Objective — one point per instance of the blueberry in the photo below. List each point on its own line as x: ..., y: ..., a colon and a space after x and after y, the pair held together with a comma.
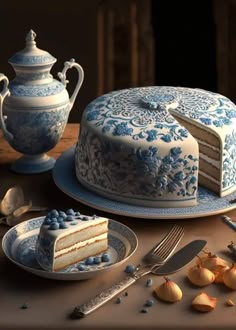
x: 77, y: 213
x: 54, y: 226
x: 60, y: 219
x: 149, y: 303
x: 63, y: 225
x: 70, y: 212
x: 130, y: 269
x: 53, y: 220
x: 47, y: 221
x: 94, y: 216
x: 81, y: 267
x: 149, y: 282
x: 105, y: 257
x: 69, y: 218
x: 118, y: 300
x: 89, y: 261
x: 54, y: 213
x: 62, y: 214
x: 85, y: 218
x: 97, y: 260
x: 144, y: 310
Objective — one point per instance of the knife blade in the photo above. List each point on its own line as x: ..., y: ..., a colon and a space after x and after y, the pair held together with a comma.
x: 180, y: 259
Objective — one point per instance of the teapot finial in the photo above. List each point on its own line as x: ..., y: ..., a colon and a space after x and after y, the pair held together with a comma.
x: 31, y: 35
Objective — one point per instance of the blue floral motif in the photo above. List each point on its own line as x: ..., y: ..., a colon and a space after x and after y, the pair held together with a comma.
x: 137, y: 172
x: 122, y: 129
x: 143, y: 110
x: 206, y: 121
x: 93, y: 115
x: 229, y: 161
x: 36, y: 91
x: 152, y: 135
x: 36, y: 132
x: 22, y: 59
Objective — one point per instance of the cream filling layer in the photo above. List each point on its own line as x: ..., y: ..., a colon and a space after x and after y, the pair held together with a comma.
x: 207, y: 145
x: 81, y: 244
x: 209, y: 160
x: 209, y: 177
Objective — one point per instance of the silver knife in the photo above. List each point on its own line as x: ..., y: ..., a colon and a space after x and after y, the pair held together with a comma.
x: 175, y: 263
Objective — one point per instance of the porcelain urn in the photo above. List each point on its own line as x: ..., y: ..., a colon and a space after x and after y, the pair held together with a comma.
x: 34, y: 107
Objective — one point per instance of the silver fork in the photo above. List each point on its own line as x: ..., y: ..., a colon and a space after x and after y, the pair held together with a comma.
x: 153, y: 260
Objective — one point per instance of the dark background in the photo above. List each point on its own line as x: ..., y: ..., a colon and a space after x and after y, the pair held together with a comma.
x: 185, y: 41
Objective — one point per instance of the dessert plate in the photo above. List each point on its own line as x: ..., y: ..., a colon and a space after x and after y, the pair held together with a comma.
x: 19, y: 246
x: 208, y: 202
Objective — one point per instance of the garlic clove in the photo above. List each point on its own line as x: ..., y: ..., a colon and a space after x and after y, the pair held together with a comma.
x: 169, y: 291
x: 200, y: 276
x: 229, y: 303
x: 204, y: 303
x: 211, y: 261
x: 229, y: 277
x: 218, y: 272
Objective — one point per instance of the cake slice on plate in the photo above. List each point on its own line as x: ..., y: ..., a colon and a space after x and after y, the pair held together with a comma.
x: 67, y: 238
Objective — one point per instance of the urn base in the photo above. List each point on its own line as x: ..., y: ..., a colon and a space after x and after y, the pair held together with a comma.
x: 33, y: 164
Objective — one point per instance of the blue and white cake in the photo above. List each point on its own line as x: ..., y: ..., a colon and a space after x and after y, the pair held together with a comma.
x: 67, y: 238
x: 152, y: 146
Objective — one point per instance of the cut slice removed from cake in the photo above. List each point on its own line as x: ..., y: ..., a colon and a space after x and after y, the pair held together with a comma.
x: 64, y: 241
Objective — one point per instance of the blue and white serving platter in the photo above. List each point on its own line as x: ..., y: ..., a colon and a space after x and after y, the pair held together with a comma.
x: 19, y: 246
x: 208, y: 202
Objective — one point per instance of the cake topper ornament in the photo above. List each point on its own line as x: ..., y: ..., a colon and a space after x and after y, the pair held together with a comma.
x: 34, y: 107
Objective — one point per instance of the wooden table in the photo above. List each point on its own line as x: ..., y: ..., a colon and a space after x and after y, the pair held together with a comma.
x: 51, y: 302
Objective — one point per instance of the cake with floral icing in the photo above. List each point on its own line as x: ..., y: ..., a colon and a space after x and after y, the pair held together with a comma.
x: 67, y: 238
x: 153, y: 146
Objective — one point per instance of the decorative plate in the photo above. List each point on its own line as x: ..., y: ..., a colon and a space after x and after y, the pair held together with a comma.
x: 208, y: 202
x: 19, y: 246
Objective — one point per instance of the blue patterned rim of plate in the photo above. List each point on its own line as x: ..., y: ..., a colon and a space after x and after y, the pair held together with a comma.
x: 19, y: 246
x: 64, y: 177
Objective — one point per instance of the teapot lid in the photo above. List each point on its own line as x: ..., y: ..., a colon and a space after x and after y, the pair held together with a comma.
x: 31, y: 55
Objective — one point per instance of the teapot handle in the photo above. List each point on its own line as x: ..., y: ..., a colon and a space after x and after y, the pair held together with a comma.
x: 4, y: 93
x: 62, y: 76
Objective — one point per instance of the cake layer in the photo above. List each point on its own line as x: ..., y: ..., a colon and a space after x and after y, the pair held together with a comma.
x: 79, y: 254
x: 80, y: 244
x: 82, y: 234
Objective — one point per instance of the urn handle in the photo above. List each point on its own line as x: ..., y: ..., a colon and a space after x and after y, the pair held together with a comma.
x: 4, y: 93
x: 62, y: 76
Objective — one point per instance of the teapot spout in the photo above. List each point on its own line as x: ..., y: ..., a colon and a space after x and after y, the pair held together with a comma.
x: 4, y: 93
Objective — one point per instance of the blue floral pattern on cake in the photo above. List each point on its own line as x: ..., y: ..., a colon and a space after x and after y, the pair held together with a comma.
x: 229, y: 161
x: 149, y: 174
x: 123, y: 112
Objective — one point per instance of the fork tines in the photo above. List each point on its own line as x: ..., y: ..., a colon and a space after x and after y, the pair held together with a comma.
x: 168, y: 244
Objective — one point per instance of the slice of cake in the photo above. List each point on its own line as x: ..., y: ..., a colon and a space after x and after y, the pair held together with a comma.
x: 67, y: 238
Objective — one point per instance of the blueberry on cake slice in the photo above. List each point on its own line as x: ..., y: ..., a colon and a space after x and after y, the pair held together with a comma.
x: 66, y: 238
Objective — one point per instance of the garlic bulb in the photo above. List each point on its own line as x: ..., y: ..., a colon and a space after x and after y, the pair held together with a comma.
x: 211, y: 261
x: 200, y: 275
x: 169, y: 291
x: 229, y: 277
x: 204, y: 303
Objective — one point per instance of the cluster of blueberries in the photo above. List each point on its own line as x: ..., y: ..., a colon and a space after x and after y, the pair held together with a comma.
x: 60, y: 219
x: 91, y: 261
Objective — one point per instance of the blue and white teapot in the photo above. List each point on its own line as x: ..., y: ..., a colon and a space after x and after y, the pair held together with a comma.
x: 34, y: 107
